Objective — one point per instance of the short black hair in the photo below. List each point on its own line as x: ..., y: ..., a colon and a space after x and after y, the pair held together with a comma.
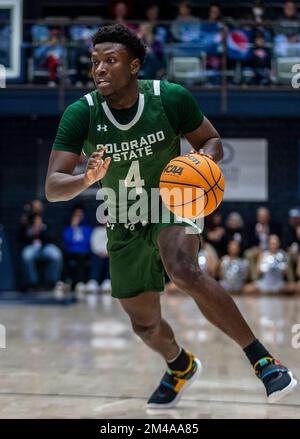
x: 118, y: 33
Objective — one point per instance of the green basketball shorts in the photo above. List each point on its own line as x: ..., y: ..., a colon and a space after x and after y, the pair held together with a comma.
x: 134, y: 260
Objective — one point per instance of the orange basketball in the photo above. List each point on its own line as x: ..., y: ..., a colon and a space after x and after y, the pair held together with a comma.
x: 192, y: 186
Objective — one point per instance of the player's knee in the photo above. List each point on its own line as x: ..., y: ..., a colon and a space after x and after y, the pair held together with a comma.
x: 183, y: 275
x: 146, y: 331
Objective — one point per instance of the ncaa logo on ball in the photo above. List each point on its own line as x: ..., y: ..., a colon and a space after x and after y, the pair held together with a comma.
x: 173, y: 169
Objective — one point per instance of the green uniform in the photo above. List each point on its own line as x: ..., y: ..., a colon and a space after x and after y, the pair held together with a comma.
x: 140, y: 141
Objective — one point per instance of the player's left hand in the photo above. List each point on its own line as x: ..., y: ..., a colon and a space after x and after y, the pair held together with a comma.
x: 96, y: 167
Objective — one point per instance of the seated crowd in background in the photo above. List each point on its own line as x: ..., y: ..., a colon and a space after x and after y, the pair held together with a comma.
x: 77, y: 260
x: 251, y: 43
x: 260, y: 258
x: 38, y: 246
x: 248, y: 259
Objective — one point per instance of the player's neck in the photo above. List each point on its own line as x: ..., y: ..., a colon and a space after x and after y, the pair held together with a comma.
x: 124, y: 98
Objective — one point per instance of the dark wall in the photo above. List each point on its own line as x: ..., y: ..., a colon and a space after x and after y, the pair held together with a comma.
x: 25, y: 146
x: 283, y: 137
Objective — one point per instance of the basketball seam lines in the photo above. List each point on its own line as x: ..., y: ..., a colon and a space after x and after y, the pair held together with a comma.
x: 213, y: 174
x: 183, y: 184
x: 180, y: 161
x: 193, y: 185
x: 216, y: 181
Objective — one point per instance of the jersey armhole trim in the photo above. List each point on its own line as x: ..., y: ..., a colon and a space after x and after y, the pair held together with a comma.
x: 156, y: 87
x: 89, y: 99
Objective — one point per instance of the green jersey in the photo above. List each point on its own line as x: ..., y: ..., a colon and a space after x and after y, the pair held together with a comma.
x: 140, y: 146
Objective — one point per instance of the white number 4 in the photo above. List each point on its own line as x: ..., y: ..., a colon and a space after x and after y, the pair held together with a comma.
x: 133, y: 178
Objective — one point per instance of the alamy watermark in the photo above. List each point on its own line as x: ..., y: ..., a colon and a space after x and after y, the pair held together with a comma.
x: 131, y: 207
x: 296, y: 77
x: 2, y: 336
x: 296, y: 338
x: 2, y: 76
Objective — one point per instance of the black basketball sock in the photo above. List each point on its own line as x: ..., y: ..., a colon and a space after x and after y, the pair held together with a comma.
x: 181, y: 362
x: 255, y: 351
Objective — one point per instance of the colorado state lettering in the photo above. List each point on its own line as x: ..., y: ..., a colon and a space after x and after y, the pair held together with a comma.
x: 134, y: 149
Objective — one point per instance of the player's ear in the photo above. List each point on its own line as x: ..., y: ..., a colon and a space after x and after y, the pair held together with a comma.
x: 135, y: 66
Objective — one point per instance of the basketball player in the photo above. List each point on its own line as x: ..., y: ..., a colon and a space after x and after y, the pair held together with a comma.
x: 141, y: 123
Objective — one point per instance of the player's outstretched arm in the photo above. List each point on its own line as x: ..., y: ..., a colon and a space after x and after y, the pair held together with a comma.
x: 62, y: 185
x: 206, y: 139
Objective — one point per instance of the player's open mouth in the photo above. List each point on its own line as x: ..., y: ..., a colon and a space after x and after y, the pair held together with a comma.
x: 102, y: 82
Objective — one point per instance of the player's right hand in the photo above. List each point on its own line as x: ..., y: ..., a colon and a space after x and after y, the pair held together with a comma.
x: 96, y: 167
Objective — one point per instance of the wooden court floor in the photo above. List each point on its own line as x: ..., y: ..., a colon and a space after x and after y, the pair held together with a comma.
x: 83, y: 361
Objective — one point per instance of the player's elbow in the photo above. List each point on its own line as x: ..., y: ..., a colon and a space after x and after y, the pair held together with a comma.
x: 221, y: 152
x: 49, y: 194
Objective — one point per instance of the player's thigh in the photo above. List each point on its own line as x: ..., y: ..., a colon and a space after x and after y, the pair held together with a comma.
x: 178, y: 249
x: 144, y: 309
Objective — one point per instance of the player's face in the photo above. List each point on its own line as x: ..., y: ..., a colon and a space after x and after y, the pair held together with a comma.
x: 113, y: 68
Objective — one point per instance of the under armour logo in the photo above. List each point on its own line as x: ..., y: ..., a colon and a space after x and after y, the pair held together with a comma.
x: 110, y: 226
x: 101, y: 127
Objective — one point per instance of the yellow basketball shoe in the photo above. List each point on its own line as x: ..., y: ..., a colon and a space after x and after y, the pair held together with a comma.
x: 173, y: 384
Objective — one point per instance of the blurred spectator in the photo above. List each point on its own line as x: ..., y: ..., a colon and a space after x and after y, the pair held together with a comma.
x: 160, y: 31
x: 50, y: 54
x: 120, y: 13
x: 261, y: 15
x: 290, y: 13
x: 291, y: 238
x: 38, y: 246
x: 287, y: 39
x: 34, y: 207
x: 214, y: 233
x: 154, y: 36
x: 5, y: 42
x: 291, y: 234
x: 234, y: 270
x: 272, y: 267
x: 186, y: 27
x: 76, y: 243
x: 258, y: 12
x: 208, y: 259
x: 30, y: 209
x: 297, y: 284
x: 99, y: 273
x: 261, y: 61
x: 155, y: 63
x: 234, y: 227
x: 215, y: 13
x: 79, y: 53
x: 152, y: 13
x: 259, y: 232
x: 214, y: 33
x: 258, y: 236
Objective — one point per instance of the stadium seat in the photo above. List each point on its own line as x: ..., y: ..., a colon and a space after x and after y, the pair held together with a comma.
x: 187, y: 68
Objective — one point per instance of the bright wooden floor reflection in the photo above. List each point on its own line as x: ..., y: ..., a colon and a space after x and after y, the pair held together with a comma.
x: 83, y: 361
